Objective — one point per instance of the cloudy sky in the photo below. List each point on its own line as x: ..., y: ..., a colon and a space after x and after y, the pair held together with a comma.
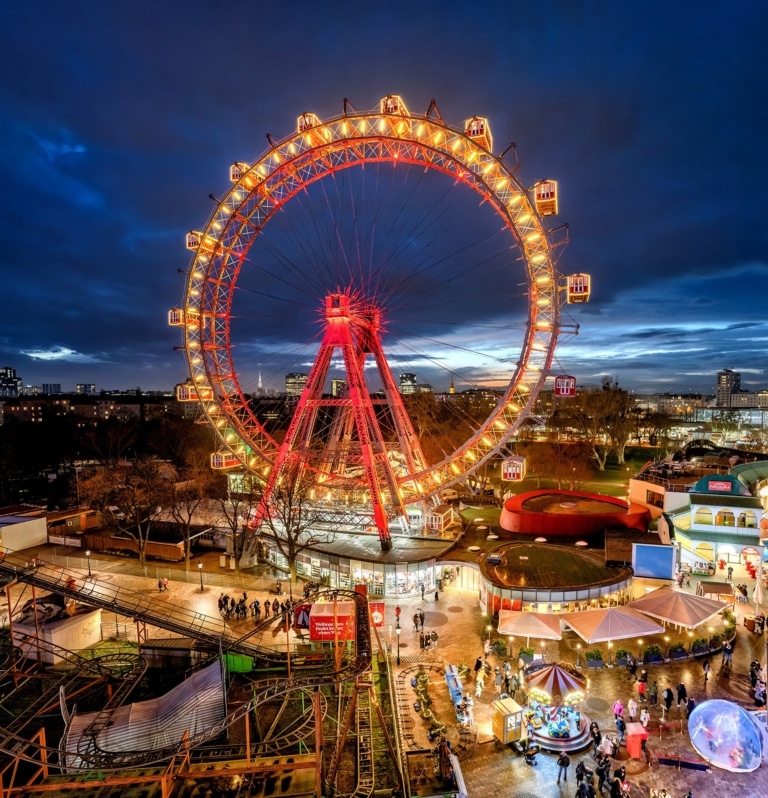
x: 117, y: 120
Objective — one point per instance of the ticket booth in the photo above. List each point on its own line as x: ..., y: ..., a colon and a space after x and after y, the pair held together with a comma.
x: 637, y: 734
x: 507, y: 720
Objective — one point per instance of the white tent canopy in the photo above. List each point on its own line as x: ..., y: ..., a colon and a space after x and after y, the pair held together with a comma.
x: 611, y: 623
x: 530, y: 624
x: 678, y: 607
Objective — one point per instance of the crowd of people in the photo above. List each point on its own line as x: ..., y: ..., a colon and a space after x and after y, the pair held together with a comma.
x: 238, y: 609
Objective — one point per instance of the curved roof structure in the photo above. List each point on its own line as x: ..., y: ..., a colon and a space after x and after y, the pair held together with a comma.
x: 192, y: 706
x: 611, y: 623
x: 678, y: 607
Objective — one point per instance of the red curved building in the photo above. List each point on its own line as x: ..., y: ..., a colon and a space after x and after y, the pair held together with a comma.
x: 569, y: 513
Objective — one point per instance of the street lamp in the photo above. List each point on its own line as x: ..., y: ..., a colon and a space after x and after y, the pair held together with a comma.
x: 488, y: 629
x: 511, y: 646
x: 578, y: 655
x: 610, y: 646
x: 666, y: 641
x: 88, y: 560
x: 397, y: 632
x: 640, y: 649
x: 200, y: 569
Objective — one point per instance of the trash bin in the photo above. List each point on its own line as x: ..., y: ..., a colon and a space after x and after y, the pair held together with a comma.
x: 222, y: 561
x: 636, y: 734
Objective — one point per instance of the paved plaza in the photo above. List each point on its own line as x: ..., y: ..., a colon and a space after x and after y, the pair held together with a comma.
x: 492, y: 770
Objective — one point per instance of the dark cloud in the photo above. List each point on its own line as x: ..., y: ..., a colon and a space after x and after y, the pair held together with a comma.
x: 120, y: 118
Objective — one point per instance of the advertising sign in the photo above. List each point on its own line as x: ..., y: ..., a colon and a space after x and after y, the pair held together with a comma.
x: 321, y: 621
x: 377, y: 612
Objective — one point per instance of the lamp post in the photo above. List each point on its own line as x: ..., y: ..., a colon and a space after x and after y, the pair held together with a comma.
x: 711, y: 632
x: 488, y: 629
x: 666, y: 645
x: 578, y: 655
x: 640, y: 650
x: 200, y: 569
x: 397, y: 632
x: 610, y: 646
x: 511, y: 646
x: 88, y: 560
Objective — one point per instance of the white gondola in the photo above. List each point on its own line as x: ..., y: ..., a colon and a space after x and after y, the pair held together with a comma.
x: 579, y: 286
x: 176, y: 317
x: 513, y: 469
x: 237, y: 170
x: 197, y: 241
x: 221, y: 460
x: 545, y: 197
x: 479, y: 130
x: 307, y: 122
x: 393, y: 104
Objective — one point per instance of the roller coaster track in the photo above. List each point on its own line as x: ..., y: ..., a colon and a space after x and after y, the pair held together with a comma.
x: 174, y: 618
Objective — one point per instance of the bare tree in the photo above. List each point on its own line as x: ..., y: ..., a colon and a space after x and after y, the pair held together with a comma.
x: 564, y: 462
x: 188, y: 494
x: 294, y: 520
x: 128, y: 497
x: 236, y: 501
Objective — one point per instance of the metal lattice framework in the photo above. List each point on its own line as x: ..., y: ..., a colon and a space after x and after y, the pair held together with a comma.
x: 318, y: 150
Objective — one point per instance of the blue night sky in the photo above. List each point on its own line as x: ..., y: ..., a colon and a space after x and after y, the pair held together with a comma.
x: 119, y: 118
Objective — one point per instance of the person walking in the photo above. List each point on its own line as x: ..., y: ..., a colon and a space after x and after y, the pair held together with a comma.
x: 641, y: 691
x: 653, y: 694
x: 479, y: 684
x: 433, y: 637
x: 421, y: 641
x: 437, y: 595
x: 469, y: 703
x: 478, y: 667
x: 421, y: 618
x: 706, y: 667
x: 563, y: 762
x: 621, y: 728
x: 422, y: 591
x: 668, y: 697
x: 645, y: 716
x: 603, y: 772
x: 689, y: 705
x: 498, y: 680
x: 618, y: 709
x: 415, y: 621
x: 632, y: 709
x: 729, y: 578
x: 682, y: 695
x: 397, y: 613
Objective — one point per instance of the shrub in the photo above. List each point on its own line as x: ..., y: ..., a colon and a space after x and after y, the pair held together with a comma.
x: 717, y: 640
x: 700, y: 642
x: 525, y: 651
x: 653, y: 650
x: 499, y: 648
x: 677, y: 648
x: 594, y: 654
x: 622, y: 653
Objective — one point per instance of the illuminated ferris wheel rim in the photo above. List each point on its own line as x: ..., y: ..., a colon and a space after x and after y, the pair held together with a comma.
x: 315, y: 151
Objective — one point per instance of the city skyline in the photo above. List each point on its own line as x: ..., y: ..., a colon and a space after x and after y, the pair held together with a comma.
x: 120, y: 120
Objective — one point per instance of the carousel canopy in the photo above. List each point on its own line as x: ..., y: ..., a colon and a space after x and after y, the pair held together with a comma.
x: 611, y: 623
x: 678, y: 607
x: 530, y: 624
x: 726, y: 735
x: 555, y: 684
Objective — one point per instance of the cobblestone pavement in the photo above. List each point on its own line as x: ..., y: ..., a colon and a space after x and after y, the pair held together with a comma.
x: 492, y: 770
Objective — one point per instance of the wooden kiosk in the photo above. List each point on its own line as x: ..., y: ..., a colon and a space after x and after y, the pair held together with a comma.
x: 507, y: 720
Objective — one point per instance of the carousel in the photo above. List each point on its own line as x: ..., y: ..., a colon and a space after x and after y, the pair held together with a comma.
x: 553, y: 714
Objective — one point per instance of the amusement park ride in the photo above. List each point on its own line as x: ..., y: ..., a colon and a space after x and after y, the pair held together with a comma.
x: 341, y: 445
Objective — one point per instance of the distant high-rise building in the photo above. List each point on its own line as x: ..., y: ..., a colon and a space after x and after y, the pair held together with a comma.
x: 10, y: 384
x: 407, y: 383
x: 728, y: 382
x: 51, y: 388
x: 294, y: 383
x: 85, y: 389
x: 338, y: 387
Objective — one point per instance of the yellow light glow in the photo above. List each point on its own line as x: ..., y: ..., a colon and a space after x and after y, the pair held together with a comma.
x: 543, y: 325
x: 292, y: 148
x: 500, y: 424
x: 523, y: 218
x: 471, y: 455
x: 419, y: 130
x: 455, y: 468
x: 262, y: 169
x: 456, y: 144
x: 501, y: 183
x: 344, y: 128
x: 533, y: 237
x: 512, y: 407
x: 362, y: 126
x: 438, y: 137
x: 382, y: 126
x: 276, y: 157
x: 543, y: 302
x: 472, y: 156
x: 538, y: 258
x: 514, y: 199
x: 401, y: 128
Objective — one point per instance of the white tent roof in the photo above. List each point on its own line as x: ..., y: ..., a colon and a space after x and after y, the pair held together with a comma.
x: 530, y: 624
x: 678, y: 607
x: 611, y: 623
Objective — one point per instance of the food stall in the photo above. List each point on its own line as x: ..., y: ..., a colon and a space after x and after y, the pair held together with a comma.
x: 507, y: 722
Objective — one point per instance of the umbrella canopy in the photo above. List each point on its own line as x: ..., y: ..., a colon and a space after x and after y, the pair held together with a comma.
x: 611, y: 623
x: 553, y: 684
x: 726, y: 735
x: 530, y: 624
x: 678, y: 607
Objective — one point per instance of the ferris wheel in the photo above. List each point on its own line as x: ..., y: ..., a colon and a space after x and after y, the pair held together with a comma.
x: 313, y: 258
